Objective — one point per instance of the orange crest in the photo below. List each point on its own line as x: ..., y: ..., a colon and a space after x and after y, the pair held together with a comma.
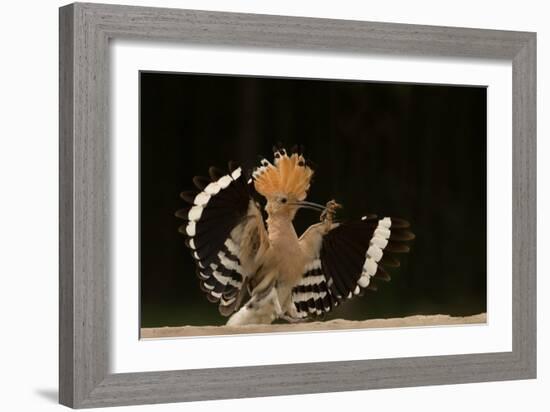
x: 290, y: 176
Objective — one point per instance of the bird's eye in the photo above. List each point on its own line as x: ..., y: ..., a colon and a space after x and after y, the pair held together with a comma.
x: 283, y: 200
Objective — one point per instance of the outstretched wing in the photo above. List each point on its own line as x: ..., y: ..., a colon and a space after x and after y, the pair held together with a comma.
x: 345, y: 260
x: 225, y: 232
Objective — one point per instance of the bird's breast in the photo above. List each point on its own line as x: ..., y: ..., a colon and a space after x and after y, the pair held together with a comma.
x: 290, y: 263
x: 286, y: 254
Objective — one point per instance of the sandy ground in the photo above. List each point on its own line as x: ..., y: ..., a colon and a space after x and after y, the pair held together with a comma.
x: 336, y: 324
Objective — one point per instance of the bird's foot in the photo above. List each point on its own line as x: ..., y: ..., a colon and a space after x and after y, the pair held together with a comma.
x: 330, y: 210
x: 293, y: 319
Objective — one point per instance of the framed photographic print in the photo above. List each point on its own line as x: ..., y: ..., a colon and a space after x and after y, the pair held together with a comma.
x: 258, y: 205
x: 205, y: 118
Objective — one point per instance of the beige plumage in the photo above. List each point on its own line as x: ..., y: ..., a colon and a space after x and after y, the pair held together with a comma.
x: 284, y: 276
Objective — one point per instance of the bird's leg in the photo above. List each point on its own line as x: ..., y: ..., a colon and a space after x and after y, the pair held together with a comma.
x: 330, y: 211
x: 276, y: 306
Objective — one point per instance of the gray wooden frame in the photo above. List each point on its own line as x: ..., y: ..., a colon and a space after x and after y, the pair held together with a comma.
x: 85, y: 31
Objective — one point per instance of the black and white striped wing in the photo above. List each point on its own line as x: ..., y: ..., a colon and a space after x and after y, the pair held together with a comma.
x: 224, y: 231
x: 348, y: 258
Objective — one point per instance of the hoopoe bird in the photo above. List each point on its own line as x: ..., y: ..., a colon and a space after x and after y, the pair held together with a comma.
x: 279, y: 275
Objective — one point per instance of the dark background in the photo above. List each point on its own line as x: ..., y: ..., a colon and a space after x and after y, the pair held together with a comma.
x: 411, y: 151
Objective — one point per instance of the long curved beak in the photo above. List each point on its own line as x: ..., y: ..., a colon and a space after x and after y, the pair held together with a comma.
x: 308, y: 205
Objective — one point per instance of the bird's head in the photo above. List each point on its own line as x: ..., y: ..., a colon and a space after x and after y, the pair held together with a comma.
x: 284, y: 183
